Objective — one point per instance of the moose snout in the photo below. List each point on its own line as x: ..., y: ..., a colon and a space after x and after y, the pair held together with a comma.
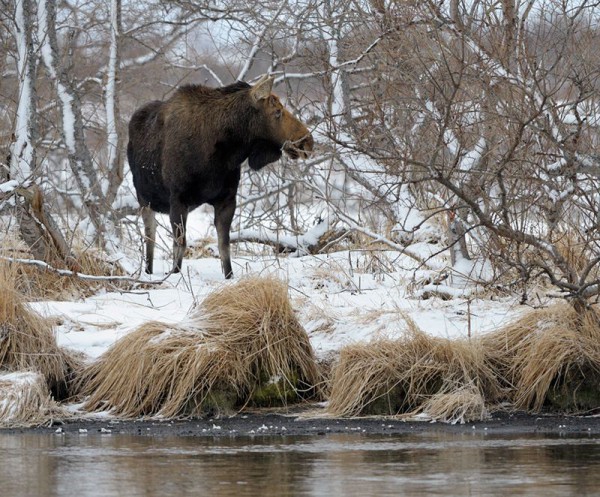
x: 300, y: 148
x: 307, y: 144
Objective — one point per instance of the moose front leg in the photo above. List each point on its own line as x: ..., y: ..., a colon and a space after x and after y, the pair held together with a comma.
x: 224, y: 211
x: 178, y: 215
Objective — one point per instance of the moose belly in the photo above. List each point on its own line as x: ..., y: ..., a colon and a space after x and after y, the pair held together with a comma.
x: 152, y: 193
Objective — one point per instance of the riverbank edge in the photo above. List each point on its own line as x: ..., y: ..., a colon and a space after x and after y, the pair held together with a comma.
x: 307, y: 423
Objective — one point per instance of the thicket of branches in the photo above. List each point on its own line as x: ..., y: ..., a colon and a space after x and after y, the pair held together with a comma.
x: 474, y: 125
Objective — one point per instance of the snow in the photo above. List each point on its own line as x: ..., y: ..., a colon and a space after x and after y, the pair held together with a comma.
x: 8, y: 186
x: 20, y: 378
x: 340, y: 298
x: 13, y: 386
x: 473, y: 157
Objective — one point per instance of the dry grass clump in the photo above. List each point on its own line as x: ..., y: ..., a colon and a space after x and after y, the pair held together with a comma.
x: 154, y: 369
x: 255, y: 319
x: 550, y: 356
x: 27, y: 341
x: 403, y: 376
x: 463, y: 404
x: 26, y: 401
x: 39, y: 283
x: 43, y: 284
x: 242, y: 345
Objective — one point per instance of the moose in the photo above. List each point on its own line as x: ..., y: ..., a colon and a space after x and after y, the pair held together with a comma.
x: 188, y: 151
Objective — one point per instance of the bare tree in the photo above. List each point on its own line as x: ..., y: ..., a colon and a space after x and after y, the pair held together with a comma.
x: 497, y: 134
x: 471, y: 125
x: 83, y: 85
x: 80, y: 159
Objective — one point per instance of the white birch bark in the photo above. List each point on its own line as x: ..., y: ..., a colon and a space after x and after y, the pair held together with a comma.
x: 22, y: 151
x: 36, y: 226
x: 332, y: 33
x: 114, y: 157
x: 80, y: 159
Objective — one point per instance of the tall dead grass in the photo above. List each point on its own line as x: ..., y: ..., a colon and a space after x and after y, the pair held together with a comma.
x: 27, y: 341
x: 403, y: 376
x: 25, y: 400
x: 548, y: 358
x: 39, y: 283
x: 154, y: 369
x: 461, y: 404
x: 546, y: 352
x: 240, y: 339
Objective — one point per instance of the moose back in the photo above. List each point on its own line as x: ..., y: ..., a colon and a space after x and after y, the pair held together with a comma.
x: 188, y: 150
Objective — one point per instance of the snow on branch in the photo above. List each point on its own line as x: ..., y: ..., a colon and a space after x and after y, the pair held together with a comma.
x: 212, y: 73
x: 9, y: 186
x: 376, y: 237
x: 307, y: 243
x: 87, y: 277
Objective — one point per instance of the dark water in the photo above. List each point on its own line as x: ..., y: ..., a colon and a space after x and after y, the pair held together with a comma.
x: 344, y: 465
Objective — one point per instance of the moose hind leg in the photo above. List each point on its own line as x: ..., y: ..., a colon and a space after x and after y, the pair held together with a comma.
x: 224, y: 211
x: 149, y: 219
x: 178, y: 216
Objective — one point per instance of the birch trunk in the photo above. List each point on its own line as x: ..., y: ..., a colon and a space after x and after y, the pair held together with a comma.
x: 36, y: 226
x: 114, y: 142
x: 339, y: 107
x: 22, y: 151
x: 80, y: 159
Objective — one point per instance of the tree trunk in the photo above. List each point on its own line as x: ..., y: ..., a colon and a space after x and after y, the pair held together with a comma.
x: 114, y: 160
x: 22, y: 151
x: 40, y: 232
x: 457, y: 241
x: 80, y: 159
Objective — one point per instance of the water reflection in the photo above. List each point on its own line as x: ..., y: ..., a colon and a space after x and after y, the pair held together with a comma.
x: 349, y: 465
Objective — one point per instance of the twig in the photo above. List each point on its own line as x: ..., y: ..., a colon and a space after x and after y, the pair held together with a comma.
x: 87, y: 277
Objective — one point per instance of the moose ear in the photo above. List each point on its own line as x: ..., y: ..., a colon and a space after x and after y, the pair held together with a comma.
x: 262, y: 89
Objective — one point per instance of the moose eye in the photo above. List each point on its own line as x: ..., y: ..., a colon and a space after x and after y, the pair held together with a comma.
x: 278, y: 114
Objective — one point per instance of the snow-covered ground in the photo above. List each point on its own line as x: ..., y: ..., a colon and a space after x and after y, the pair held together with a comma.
x: 340, y: 298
